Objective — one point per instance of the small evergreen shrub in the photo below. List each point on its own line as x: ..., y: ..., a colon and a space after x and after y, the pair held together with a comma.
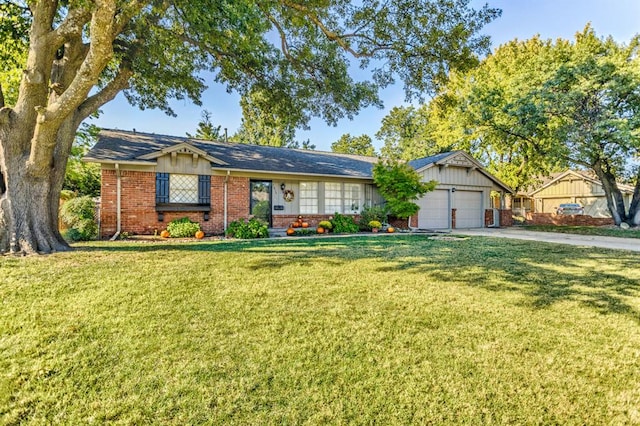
x: 377, y: 213
x: 254, y: 228
x: 78, y: 215
x: 183, y: 228
x: 344, y: 224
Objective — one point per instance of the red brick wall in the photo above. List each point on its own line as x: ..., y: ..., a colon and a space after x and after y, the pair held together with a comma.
x: 238, y: 199
x: 506, y: 218
x: 398, y: 223
x: 138, y: 213
x: 488, y: 217
x: 108, y: 203
x: 570, y: 220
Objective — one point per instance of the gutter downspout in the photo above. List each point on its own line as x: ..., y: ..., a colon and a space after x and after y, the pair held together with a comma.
x: 226, y: 193
x: 118, y: 203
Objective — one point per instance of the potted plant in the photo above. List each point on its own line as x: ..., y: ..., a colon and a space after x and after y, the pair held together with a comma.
x: 374, y: 225
x: 325, y: 225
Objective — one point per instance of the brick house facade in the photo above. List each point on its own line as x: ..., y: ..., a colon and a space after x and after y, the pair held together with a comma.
x: 150, y: 180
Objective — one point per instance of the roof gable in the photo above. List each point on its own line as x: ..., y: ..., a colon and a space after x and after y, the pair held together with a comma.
x: 577, y: 175
x: 456, y: 159
x: 182, y: 148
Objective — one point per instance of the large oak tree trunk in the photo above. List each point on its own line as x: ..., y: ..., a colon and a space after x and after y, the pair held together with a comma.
x: 28, y: 223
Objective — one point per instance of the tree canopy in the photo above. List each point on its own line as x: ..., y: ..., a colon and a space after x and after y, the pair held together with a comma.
x: 407, y: 134
x: 358, y: 145
x: 537, y: 106
x: 206, y: 129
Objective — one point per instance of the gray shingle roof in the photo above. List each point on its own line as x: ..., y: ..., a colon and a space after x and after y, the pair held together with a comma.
x: 425, y: 161
x: 125, y: 146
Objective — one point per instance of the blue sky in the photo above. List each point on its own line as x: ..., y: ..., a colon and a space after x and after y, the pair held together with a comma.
x: 520, y: 19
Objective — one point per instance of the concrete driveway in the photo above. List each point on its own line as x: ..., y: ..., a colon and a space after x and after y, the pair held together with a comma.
x: 632, y: 244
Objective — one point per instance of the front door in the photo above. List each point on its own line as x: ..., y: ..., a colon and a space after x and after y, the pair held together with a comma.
x: 261, y: 200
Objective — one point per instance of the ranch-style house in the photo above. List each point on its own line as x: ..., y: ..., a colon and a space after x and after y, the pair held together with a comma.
x: 149, y: 180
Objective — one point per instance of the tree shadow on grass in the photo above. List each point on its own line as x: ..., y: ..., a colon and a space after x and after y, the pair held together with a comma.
x: 545, y: 273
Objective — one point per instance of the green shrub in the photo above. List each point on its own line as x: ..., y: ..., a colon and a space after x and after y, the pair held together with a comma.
x: 254, y: 228
x: 325, y: 224
x: 78, y: 215
x: 344, y: 224
x: 375, y: 224
x: 378, y: 213
x: 183, y: 228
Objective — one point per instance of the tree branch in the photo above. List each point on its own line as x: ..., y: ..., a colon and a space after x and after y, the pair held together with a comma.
x: 33, y: 90
x: 1, y: 97
x: 92, y: 103
x: 331, y: 35
x: 51, y: 117
x: 72, y: 25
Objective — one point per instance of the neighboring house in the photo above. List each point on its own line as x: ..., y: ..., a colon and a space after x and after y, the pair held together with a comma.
x: 570, y: 186
x: 149, y: 180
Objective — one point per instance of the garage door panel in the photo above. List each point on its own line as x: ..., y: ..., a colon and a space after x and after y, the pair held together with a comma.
x: 469, y: 209
x: 434, y: 210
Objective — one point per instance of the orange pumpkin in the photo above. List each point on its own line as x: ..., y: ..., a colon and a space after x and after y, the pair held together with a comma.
x: 291, y: 231
x: 199, y: 235
x: 320, y: 230
x: 305, y: 225
x: 165, y: 234
x: 295, y: 224
x: 391, y: 229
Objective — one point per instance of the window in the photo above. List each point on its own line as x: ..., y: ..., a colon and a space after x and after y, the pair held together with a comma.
x: 183, y: 189
x: 332, y: 197
x: 342, y: 197
x: 308, y: 197
x: 351, y: 198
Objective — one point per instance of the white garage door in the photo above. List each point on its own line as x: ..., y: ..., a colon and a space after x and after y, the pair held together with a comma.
x: 434, y: 210
x: 468, y: 205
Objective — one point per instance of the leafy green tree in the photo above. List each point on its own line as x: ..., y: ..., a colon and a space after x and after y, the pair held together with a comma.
x: 14, y: 27
x: 302, y: 145
x: 358, y: 145
x: 595, y: 98
x: 406, y: 134
x: 400, y: 185
x: 488, y: 112
x: 296, y: 54
x: 266, y: 124
x: 206, y: 130
x: 537, y: 106
x: 80, y: 177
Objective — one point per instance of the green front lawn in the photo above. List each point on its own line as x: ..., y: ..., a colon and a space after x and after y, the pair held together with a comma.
x: 603, y: 231
x: 394, y: 330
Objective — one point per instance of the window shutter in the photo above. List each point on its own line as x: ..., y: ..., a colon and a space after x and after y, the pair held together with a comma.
x: 162, y: 188
x: 204, y: 189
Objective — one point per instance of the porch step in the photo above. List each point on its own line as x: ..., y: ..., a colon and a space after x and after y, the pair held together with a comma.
x: 277, y: 232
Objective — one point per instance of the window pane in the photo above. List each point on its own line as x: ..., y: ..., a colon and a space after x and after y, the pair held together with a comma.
x: 183, y: 188
x: 309, y: 197
x: 332, y: 197
x: 352, y: 197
